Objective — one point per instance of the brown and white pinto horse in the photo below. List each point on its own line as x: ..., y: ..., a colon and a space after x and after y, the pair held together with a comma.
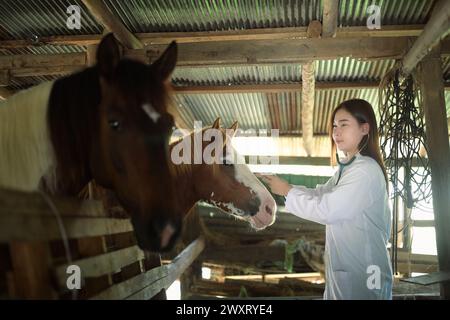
x: 227, y: 184
x: 108, y: 122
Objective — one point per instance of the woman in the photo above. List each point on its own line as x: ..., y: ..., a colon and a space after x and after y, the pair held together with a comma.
x: 353, y: 205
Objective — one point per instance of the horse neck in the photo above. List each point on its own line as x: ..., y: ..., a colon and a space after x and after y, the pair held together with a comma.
x: 73, y: 112
x: 185, y: 182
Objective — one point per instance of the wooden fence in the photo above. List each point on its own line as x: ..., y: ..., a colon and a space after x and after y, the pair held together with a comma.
x: 41, y: 237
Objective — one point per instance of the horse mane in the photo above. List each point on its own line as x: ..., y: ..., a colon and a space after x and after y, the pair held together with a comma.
x: 26, y: 151
x: 72, y: 112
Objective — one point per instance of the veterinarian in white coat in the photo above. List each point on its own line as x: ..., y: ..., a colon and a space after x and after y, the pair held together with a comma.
x: 353, y: 205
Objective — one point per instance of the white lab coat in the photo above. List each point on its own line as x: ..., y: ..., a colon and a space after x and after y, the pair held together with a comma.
x: 358, y: 222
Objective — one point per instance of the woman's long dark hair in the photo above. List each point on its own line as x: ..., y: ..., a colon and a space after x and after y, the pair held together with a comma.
x: 362, y: 111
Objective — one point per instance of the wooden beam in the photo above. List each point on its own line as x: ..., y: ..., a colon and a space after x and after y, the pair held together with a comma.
x: 308, y: 92
x: 437, y: 27
x: 229, y: 35
x: 104, y: 16
x: 432, y: 88
x: 102, y: 264
x: 42, y: 60
x: 223, y: 53
x: 283, y: 51
x: 330, y: 18
x: 206, y: 54
x: 146, y: 285
x: 274, y: 88
x: 17, y: 203
x: 5, y: 78
x: 42, y: 64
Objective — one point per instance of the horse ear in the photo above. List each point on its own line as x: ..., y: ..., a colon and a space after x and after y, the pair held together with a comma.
x: 234, y: 127
x: 109, y: 53
x: 216, y: 124
x: 166, y: 63
x: 232, y: 130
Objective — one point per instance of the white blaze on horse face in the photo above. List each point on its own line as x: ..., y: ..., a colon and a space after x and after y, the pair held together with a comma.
x: 268, y: 208
x: 151, y: 112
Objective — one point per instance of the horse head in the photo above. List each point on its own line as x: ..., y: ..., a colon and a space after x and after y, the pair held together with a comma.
x: 130, y: 151
x: 228, y: 182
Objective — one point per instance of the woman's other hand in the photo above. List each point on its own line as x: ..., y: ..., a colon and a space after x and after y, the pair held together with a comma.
x: 276, y: 184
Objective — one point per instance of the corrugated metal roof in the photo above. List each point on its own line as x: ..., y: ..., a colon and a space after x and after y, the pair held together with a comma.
x: 213, y: 15
x: 209, y: 15
x: 24, y: 19
x: 264, y: 111
x: 342, y: 69
x: 354, y: 12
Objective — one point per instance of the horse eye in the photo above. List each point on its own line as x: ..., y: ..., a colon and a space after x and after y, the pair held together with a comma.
x: 115, y: 125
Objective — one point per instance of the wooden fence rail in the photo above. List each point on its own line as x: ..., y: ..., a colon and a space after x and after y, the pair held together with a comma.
x: 34, y: 260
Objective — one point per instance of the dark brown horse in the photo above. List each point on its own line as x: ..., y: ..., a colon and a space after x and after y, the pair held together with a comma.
x: 108, y: 122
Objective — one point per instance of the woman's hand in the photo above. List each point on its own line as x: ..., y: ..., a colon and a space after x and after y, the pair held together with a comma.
x: 276, y: 184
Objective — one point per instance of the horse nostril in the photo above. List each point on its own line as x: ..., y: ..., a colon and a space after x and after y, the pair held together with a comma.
x: 268, y: 210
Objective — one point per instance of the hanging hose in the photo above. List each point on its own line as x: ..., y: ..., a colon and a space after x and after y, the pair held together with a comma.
x: 402, y: 133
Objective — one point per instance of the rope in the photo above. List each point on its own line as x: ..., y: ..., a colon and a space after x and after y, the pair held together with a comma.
x: 62, y: 231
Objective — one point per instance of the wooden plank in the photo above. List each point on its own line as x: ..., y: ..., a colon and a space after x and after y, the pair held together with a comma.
x: 44, y: 71
x: 228, y: 35
x: 123, y: 290
x: 229, y: 52
x: 17, y: 62
x: 151, y: 261
x: 33, y: 204
x: 274, y: 88
x: 283, y: 51
x: 432, y: 88
x: 5, y: 78
x: 436, y: 28
x: 427, y: 279
x: 174, y: 270
x: 105, y: 17
x: 243, y: 254
x: 46, y: 228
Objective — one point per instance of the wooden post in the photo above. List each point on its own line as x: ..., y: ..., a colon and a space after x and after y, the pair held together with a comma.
x: 104, y: 16
x: 330, y: 18
x: 31, y: 270
x: 191, y: 231
x: 432, y: 88
x: 308, y: 92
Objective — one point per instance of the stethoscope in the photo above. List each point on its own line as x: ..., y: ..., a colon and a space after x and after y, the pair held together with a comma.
x: 343, y: 165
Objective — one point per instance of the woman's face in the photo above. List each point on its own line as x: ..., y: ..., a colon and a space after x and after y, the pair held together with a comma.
x: 347, y: 131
